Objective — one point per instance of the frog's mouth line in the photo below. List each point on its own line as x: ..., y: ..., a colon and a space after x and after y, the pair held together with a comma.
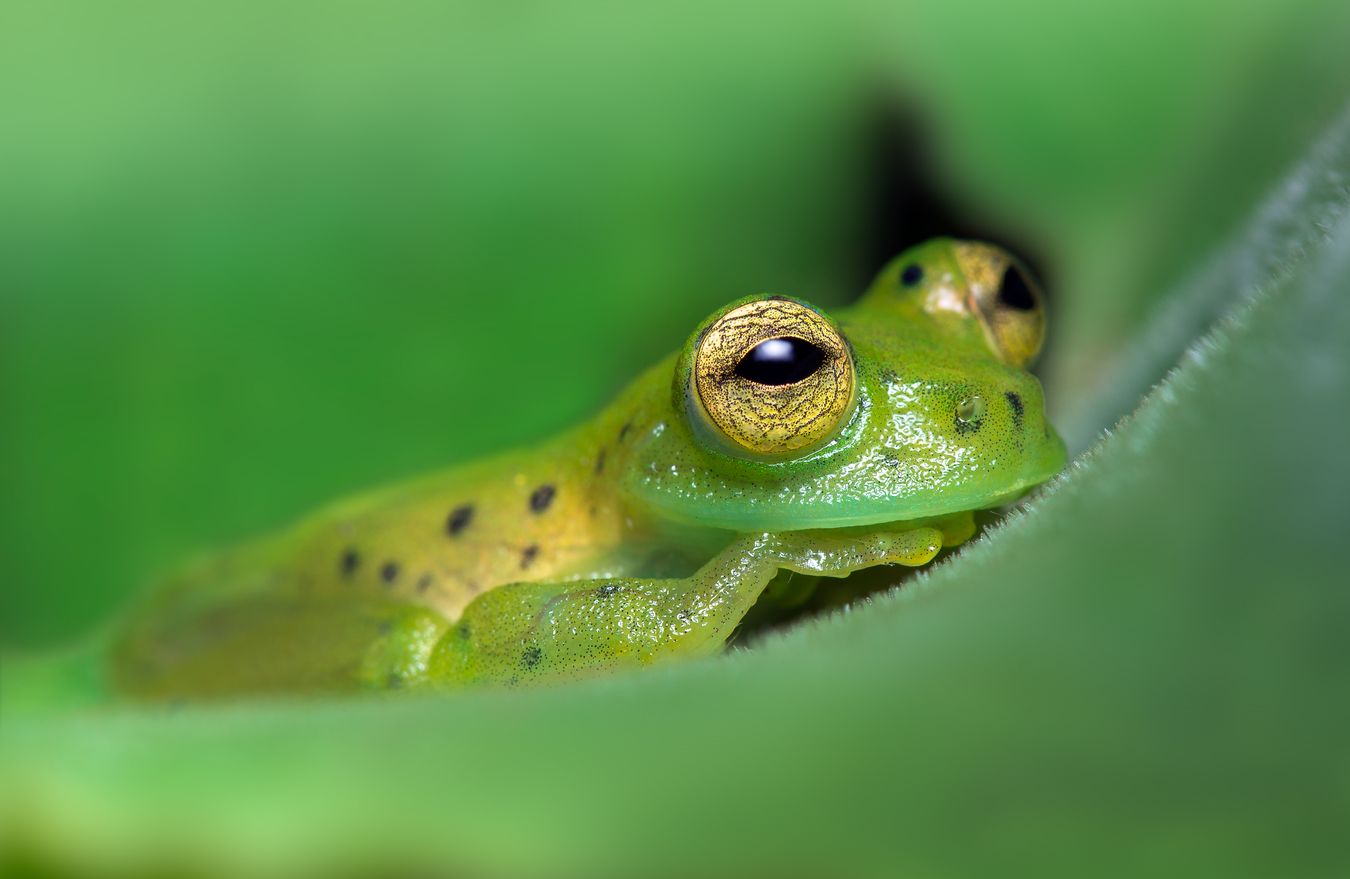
x: 1038, y: 471
x: 938, y: 507
x: 745, y: 506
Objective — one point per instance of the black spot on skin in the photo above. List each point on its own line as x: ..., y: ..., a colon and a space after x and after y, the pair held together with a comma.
x: 623, y: 431
x: 464, y: 632
x: 349, y: 563
x: 541, y: 498
x: 1015, y: 401
x: 965, y: 427
x: 459, y: 519
x: 530, y: 658
x: 389, y: 572
x: 912, y: 275
x: 600, y: 463
x: 1015, y: 292
x: 424, y: 582
x: 607, y: 591
x: 528, y: 555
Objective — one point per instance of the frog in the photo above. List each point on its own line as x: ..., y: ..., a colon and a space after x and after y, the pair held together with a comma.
x: 780, y: 445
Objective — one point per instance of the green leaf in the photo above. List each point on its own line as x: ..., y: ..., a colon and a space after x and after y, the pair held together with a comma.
x: 1141, y: 673
x: 1293, y: 222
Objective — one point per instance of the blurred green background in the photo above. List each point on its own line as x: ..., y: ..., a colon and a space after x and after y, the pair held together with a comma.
x: 255, y: 256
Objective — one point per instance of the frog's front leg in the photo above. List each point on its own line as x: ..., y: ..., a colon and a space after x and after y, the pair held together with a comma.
x: 534, y: 632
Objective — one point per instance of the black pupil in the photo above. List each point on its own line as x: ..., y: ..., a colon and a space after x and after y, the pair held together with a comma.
x: 1015, y: 292
x: 780, y: 361
x: 911, y: 275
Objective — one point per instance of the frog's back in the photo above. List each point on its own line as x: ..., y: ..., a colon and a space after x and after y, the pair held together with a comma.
x: 296, y: 611
x: 440, y: 541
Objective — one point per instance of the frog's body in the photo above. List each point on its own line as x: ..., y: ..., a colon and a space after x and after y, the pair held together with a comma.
x: 700, y: 481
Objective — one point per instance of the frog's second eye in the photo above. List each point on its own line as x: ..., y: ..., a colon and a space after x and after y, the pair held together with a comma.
x: 1013, y: 316
x: 773, y: 377
x: 1006, y: 300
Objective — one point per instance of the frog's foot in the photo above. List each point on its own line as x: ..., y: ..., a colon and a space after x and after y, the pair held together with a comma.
x: 535, y: 632
x: 399, y: 655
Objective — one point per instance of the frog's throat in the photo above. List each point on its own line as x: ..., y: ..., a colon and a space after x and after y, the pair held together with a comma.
x: 744, y: 514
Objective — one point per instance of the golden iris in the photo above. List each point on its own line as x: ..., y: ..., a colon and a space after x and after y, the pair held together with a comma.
x: 774, y: 376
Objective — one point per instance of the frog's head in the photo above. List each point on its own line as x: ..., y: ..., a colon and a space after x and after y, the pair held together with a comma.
x: 915, y: 402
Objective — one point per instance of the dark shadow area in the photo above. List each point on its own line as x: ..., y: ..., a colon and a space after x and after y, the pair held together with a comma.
x: 903, y: 202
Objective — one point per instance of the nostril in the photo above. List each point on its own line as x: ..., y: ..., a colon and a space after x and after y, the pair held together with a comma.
x: 1018, y: 409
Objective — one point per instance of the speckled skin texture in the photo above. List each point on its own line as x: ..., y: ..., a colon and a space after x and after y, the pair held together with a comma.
x: 647, y: 533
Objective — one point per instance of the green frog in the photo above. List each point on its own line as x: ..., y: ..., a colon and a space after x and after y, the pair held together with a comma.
x: 780, y: 444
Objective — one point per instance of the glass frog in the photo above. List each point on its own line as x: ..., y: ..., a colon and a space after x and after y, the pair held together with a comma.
x: 779, y: 439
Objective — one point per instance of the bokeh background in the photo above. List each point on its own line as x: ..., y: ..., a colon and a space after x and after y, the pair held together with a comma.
x: 255, y: 255
x: 259, y: 255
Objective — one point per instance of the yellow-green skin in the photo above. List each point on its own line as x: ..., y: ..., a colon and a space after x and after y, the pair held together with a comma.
x: 626, y: 541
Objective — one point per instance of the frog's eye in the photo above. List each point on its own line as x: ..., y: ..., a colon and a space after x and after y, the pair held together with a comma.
x: 1006, y: 300
x: 773, y: 376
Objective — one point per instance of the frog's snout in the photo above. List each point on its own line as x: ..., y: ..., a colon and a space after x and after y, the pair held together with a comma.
x: 1041, y: 449
x: 1009, y: 416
